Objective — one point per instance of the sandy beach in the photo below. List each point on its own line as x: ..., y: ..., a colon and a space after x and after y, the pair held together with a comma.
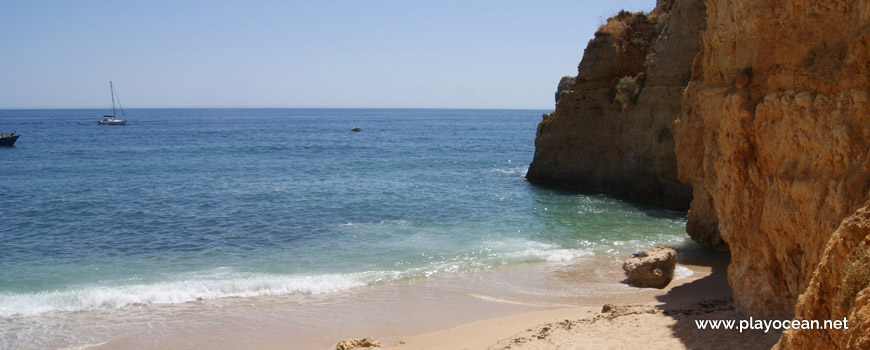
x: 469, y: 311
x: 641, y: 326
x: 640, y: 174
x: 663, y: 319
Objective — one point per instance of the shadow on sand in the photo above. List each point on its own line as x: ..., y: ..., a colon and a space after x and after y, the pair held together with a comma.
x: 683, y: 305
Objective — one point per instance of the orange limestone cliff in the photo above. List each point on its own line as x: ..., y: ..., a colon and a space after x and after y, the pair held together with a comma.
x: 612, y: 130
x: 774, y: 136
x: 838, y: 290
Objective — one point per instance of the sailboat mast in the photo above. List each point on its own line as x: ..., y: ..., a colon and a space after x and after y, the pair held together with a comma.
x: 112, y: 88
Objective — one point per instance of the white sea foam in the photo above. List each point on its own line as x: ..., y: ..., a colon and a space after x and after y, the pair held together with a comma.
x: 681, y: 272
x: 518, y: 170
x: 510, y: 171
x: 530, y: 251
x: 223, y: 282
x: 84, y: 347
x: 513, y: 302
x: 550, y: 255
x: 109, y: 297
x: 387, y: 222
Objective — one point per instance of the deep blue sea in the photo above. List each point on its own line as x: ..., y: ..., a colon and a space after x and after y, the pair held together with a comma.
x: 182, y: 205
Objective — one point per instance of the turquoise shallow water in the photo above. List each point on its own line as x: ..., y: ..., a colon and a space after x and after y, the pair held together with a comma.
x: 188, y: 204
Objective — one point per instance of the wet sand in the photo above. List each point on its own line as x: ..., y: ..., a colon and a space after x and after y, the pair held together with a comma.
x: 667, y: 321
x: 504, y: 307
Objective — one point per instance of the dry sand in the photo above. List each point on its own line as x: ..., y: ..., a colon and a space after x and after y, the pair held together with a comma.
x: 667, y: 322
x: 642, y: 327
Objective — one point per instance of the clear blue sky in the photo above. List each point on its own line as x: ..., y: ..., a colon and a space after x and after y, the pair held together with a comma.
x: 363, y: 53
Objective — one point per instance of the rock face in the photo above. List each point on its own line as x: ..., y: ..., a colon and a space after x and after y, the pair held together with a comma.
x: 612, y: 132
x: 772, y: 132
x: 838, y: 289
x: 654, y: 268
x: 564, y: 85
x: 774, y: 138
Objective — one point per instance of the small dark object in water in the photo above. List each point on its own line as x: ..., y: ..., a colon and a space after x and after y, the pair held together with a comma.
x: 9, y: 140
x: 355, y: 128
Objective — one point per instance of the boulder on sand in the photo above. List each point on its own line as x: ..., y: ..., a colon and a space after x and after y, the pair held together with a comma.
x: 653, y: 267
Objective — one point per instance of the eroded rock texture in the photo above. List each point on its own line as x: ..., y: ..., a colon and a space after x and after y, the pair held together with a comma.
x: 612, y: 131
x: 564, y: 86
x: 774, y: 139
x: 838, y: 290
x: 652, y: 268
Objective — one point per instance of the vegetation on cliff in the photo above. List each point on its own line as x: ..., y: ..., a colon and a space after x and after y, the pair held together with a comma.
x: 612, y: 130
x: 764, y: 108
x: 774, y: 134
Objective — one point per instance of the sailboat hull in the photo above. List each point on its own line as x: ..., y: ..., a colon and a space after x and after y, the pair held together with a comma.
x: 112, y: 122
x: 112, y: 119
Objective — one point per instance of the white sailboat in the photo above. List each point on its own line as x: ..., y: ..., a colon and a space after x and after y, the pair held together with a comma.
x: 111, y: 119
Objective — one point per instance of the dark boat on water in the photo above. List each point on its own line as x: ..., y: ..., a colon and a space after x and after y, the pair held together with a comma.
x: 8, y: 140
